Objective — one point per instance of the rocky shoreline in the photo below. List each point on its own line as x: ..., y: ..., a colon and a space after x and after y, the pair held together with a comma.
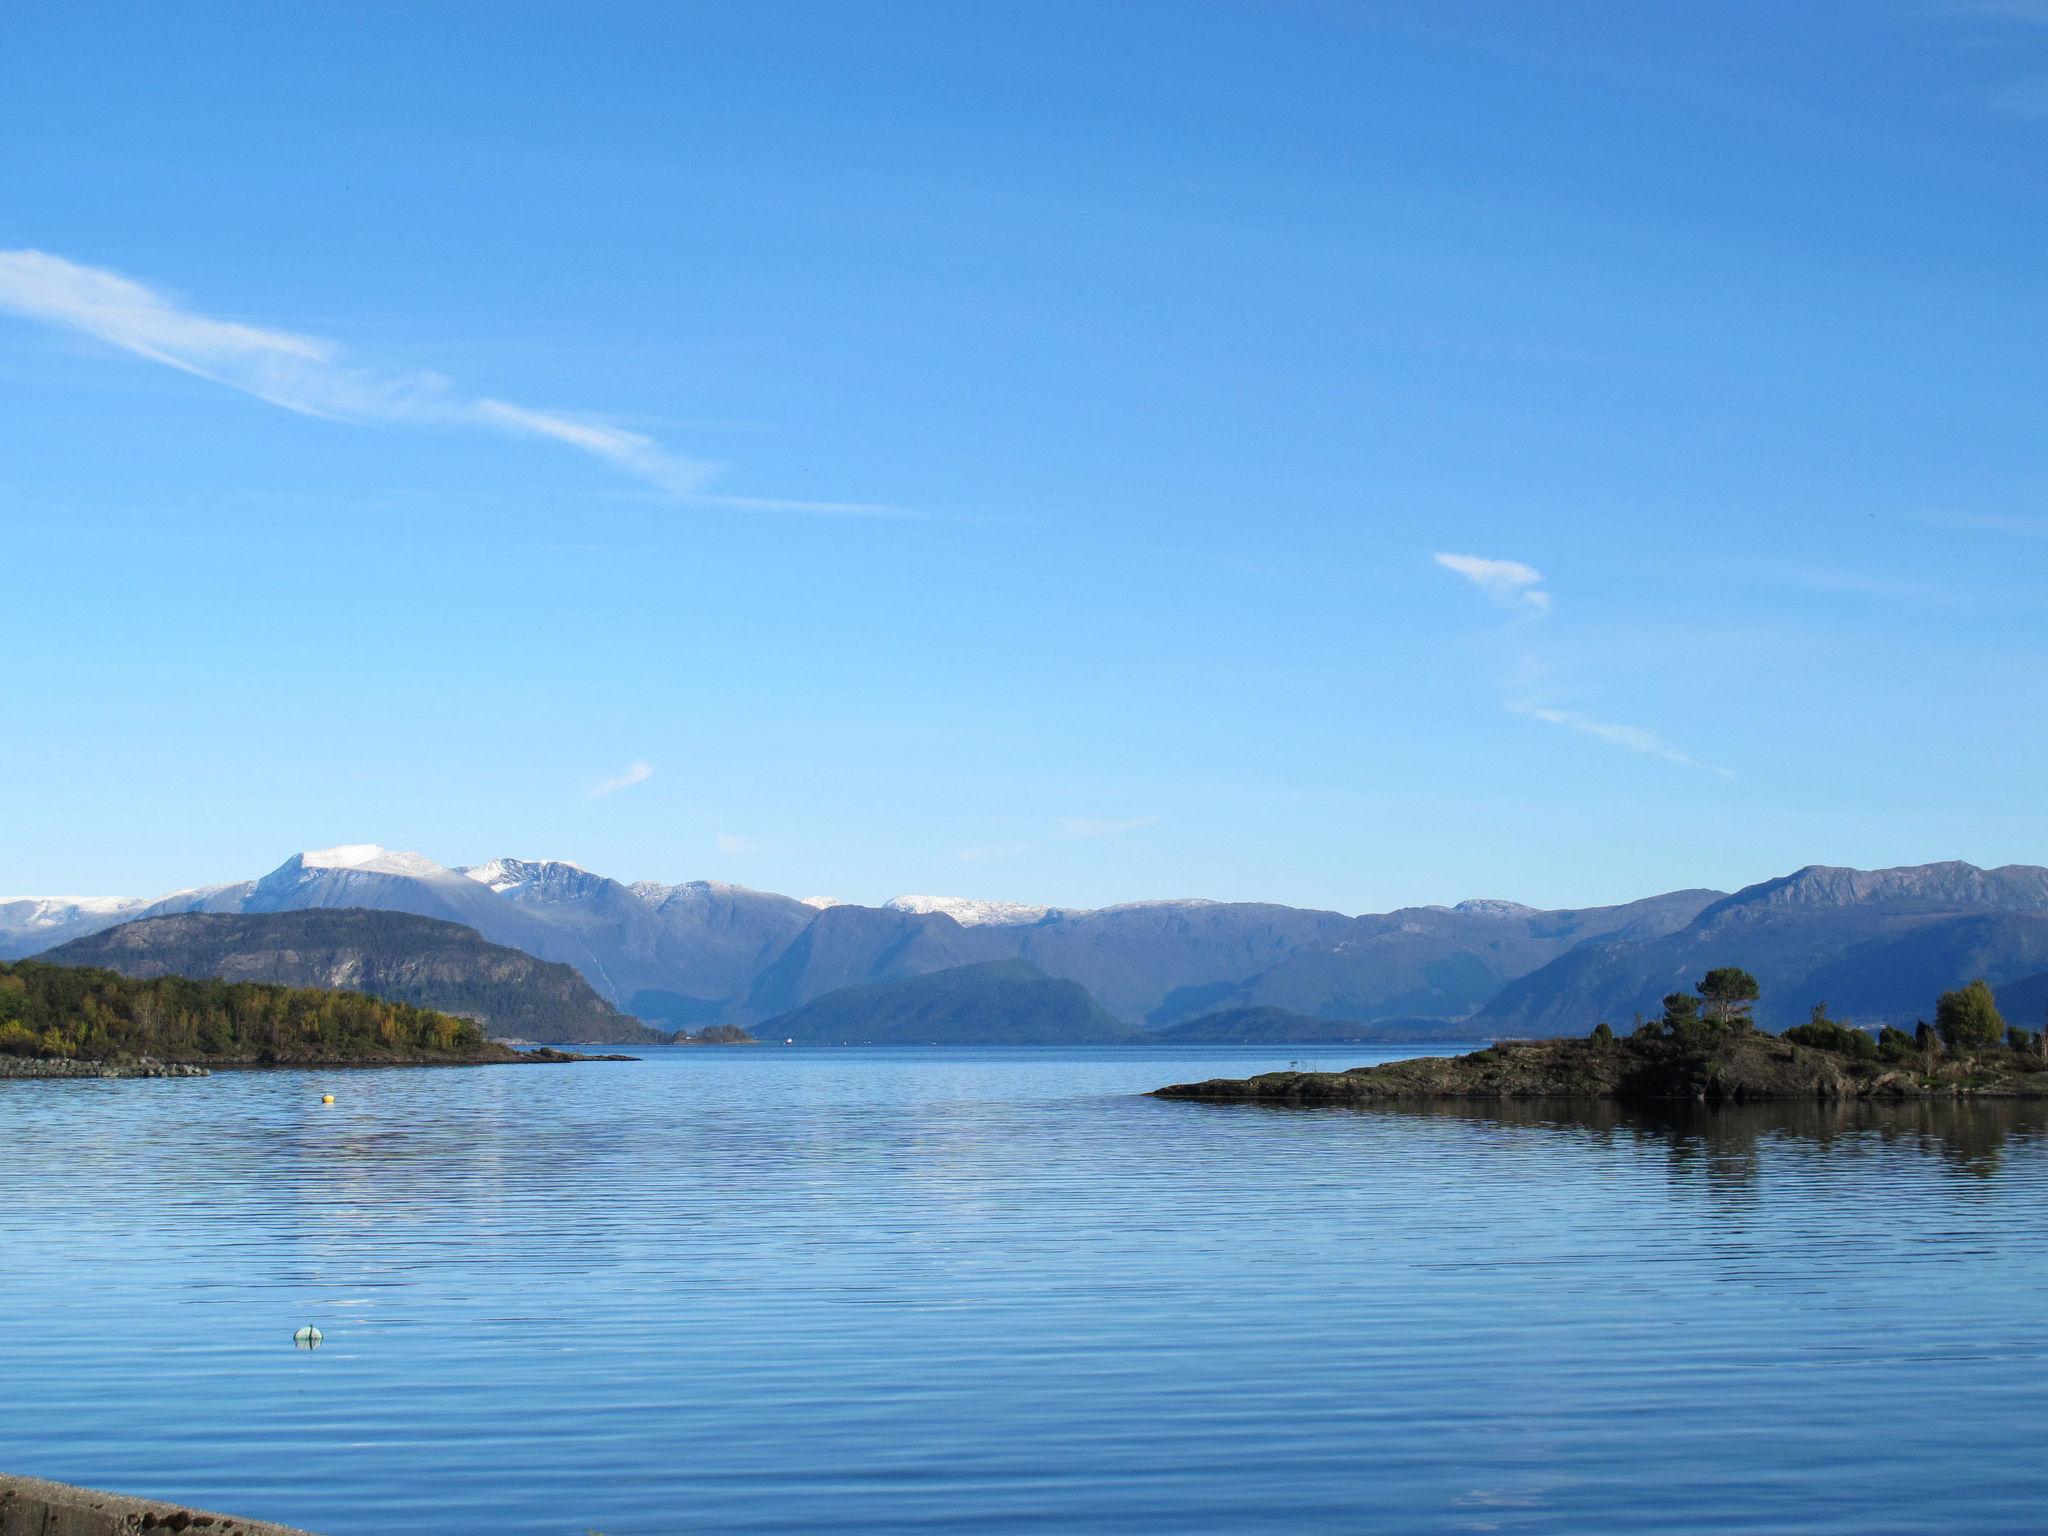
x: 59, y: 1067
x: 1749, y: 1067
x: 64, y: 1068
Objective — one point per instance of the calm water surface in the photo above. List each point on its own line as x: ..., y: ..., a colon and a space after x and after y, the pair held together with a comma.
x: 895, y: 1290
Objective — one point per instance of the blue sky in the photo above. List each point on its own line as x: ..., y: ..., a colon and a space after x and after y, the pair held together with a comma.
x: 1007, y: 450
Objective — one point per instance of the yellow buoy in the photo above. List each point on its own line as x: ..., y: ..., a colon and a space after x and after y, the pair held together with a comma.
x: 326, y: 1098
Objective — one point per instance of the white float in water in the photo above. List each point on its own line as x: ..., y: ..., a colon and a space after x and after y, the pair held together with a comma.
x: 307, y: 1337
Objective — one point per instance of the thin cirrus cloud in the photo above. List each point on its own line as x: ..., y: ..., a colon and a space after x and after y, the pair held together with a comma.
x: 1515, y: 585
x: 1508, y: 582
x: 1066, y: 830
x: 311, y: 376
x: 638, y: 773
x: 1634, y: 737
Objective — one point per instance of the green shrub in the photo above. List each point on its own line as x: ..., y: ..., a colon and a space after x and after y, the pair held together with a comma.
x: 1896, y: 1045
x: 1822, y: 1033
x: 1968, y: 1018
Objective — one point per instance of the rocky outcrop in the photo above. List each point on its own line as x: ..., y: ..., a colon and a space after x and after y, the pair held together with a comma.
x: 1747, y: 1067
x: 30, y: 1506
x: 143, y: 1066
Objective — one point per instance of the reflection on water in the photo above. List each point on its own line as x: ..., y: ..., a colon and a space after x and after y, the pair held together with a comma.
x: 1002, y: 1291
x: 1728, y: 1140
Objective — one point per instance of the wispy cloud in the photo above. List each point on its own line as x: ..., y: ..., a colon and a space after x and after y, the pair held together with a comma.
x: 638, y: 773
x: 1508, y: 582
x: 1634, y: 737
x: 732, y: 845
x: 311, y: 375
x: 1516, y: 585
x: 1068, y: 829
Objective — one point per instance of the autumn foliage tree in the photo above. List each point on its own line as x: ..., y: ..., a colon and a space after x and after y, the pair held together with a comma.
x: 1968, y: 1018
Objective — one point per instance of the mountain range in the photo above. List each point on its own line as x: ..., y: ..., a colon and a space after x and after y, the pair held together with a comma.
x: 1877, y: 945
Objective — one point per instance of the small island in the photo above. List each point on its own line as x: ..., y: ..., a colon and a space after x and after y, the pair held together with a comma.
x: 1704, y: 1048
x: 61, y: 1021
x: 716, y: 1034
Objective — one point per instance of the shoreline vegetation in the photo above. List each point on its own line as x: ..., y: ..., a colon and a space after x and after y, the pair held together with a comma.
x: 70, y: 1021
x: 400, y: 957
x: 1704, y: 1048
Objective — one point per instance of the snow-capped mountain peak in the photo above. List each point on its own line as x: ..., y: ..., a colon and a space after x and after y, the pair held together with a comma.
x: 968, y: 912
x: 1490, y: 907
x: 372, y: 859
x: 57, y: 911
x: 503, y: 875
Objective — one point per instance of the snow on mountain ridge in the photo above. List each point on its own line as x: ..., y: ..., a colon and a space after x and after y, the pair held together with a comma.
x: 51, y: 911
x: 371, y: 858
x: 1488, y: 906
x: 967, y: 911
x: 503, y: 875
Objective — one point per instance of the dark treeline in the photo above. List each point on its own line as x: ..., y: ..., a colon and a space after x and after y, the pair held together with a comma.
x: 1966, y: 1022
x: 95, y: 1015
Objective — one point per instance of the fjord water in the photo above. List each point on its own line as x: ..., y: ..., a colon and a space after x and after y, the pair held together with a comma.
x: 895, y: 1290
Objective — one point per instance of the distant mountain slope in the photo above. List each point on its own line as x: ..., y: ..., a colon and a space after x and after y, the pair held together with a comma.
x: 1438, y: 962
x: 675, y: 952
x: 1000, y: 1002
x: 1262, y: 1026
x: 1277, y: 1026
x: 397, y: 956
x: 1159, y: 960
x: 849, y: 946
x: 2025, y: 1002
x: 1877, y: 945
x: 31, y: 924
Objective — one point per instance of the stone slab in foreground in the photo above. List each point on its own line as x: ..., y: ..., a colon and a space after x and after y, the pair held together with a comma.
x: 31, y: 1507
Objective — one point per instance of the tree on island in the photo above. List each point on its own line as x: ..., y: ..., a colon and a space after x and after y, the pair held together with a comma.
x: 1681, y: 1012
x: 1968, y: 1018
x: 1728, y: 991
x: 1720, y: 1007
